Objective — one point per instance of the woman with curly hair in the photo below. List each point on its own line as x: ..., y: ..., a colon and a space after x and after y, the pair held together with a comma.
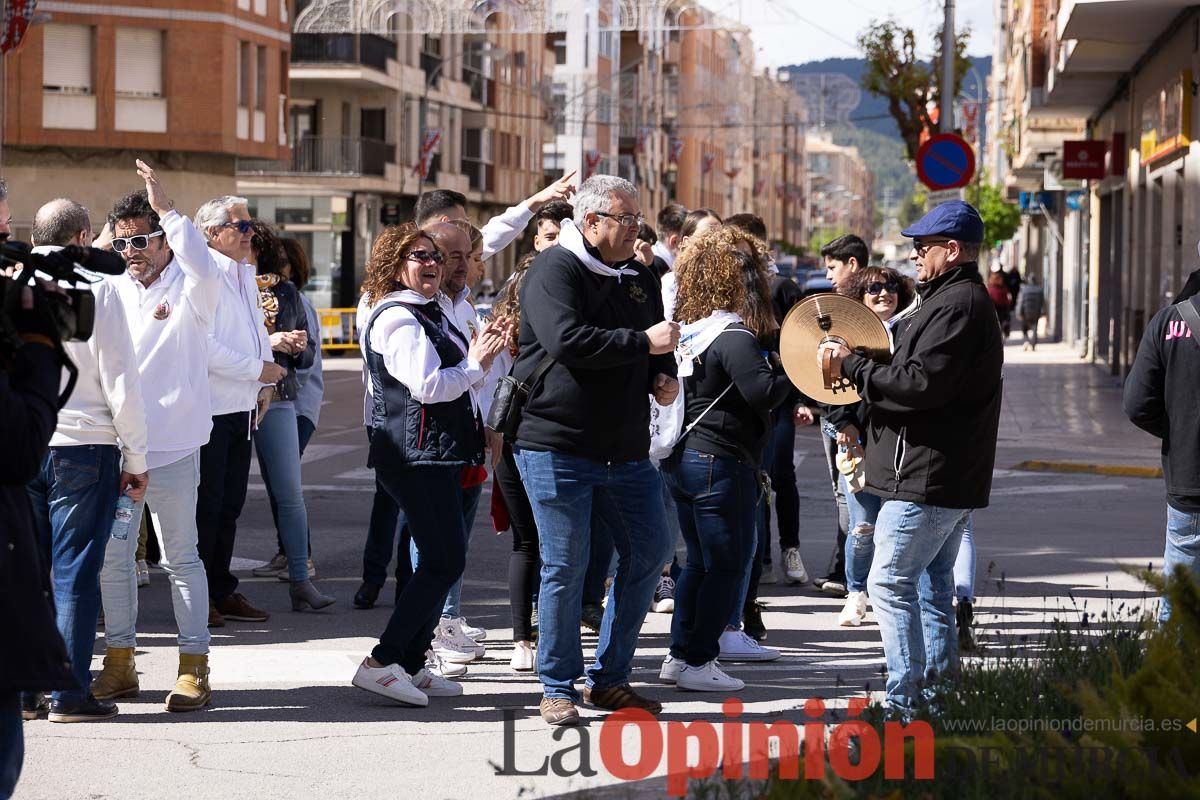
x: 425, y: 431
x: 277, y: 440
x: 729, y: 390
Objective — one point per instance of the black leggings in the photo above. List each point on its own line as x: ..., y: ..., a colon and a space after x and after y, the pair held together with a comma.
x: 524, y: 564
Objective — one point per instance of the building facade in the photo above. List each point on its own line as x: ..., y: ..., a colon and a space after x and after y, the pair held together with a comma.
x: 841, y: 192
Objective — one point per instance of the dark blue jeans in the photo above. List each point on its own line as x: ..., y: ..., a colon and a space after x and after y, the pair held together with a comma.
x: 12, y: 742
x: 381, y: 536
x: 452, y: 607
x: 432, y: 500
x: 717, y: 500
x: 74, y: 500
x: 600, y: 558
x: 565, y: 493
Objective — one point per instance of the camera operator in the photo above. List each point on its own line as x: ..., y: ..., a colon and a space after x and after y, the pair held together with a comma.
x: 75, y: 496
x: 35, y: 658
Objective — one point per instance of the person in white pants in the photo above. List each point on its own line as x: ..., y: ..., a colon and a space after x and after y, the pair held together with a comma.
x: 170, y: 307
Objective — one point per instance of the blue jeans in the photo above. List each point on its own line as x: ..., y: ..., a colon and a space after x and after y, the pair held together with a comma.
x: 381, y: 535
x: 12, y: 742
x: 304, y: 431
x: 716, y: 498
x: 912, y: 589
x: 1183, y: 549
x: 431, y: 499
x: 277, y: 443
x: 600, y: 558
x: 964, y: 564
x: 565, y: 492
x: 74, y: 501
x: 452, y: 607
x: 837, y: 562
x: 863, y: 508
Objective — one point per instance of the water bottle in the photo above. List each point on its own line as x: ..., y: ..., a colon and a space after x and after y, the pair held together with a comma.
x: 123, y: 518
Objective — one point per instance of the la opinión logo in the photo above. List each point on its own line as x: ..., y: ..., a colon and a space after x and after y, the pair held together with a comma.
x: 854, y: 749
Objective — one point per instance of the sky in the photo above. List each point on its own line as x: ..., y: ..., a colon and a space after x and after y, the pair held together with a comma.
x: 798, y: 31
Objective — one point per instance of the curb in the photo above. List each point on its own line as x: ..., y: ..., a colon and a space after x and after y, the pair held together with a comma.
x: 1074, y: 467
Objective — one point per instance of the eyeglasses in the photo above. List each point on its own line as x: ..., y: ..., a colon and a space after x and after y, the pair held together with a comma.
x: 425, y: 257
x: 879, y: 287
x: 242, y: 225
x: 139, y: 242
x: 624, y: 220
x: 922, y: 247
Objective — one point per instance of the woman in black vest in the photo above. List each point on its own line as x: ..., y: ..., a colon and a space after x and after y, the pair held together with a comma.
x: 426, y: 431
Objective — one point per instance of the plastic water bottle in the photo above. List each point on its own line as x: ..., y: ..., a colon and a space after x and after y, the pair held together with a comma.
x: 123, y: 518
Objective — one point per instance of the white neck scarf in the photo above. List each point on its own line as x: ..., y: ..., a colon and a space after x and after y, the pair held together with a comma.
x: 695, y: 337
x: 570, y: 237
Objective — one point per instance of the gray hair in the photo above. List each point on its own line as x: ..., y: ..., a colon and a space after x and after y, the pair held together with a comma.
x: 59, y: 222
x: 595, y: 194
x: 216, y: 212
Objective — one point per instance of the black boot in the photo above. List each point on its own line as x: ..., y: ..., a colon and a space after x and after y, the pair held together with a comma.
x: 752, y: 622
x: 366, y: 595
x: 34, y: 705
x: 89, y: 709
x: 964, y: 616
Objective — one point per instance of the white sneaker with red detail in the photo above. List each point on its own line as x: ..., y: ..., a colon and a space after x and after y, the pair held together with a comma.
x: 390, y: 681
x: 434, y: 685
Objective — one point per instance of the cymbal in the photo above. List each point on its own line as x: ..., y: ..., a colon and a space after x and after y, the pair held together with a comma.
x: 822, y: 318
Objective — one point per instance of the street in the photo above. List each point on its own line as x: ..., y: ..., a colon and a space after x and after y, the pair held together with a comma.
x: 285, y: 720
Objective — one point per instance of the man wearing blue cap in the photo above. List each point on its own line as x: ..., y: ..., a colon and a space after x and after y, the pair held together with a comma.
x: 933, y: 414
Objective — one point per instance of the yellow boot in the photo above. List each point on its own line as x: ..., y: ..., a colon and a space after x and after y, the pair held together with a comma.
x: 119, y: 677
x: 191, y: 692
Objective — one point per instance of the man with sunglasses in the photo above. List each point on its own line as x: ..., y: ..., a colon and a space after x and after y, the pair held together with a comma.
x: 242, y: 373
x: 933, y: 415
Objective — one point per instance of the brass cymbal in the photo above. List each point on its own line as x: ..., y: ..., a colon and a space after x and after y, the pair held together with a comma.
x: 821, y: 318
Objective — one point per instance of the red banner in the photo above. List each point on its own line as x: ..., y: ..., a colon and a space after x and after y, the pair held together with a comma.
x: 1084, y: 160
x: 780, y: 189
x: 675, y: 151
x: 428, y: 144
x: 591, y: 160
x: 759, y: 185
x: 642, y: 136
x: 732, y: 172
x: 17, y: 15
x: 706, y: 163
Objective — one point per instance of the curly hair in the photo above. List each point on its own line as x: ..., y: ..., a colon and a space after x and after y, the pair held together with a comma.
x: 386, y: 261
x: 508, y: 300
x: 713, y: 275
x: 269, y: 255
x: 856, y: 287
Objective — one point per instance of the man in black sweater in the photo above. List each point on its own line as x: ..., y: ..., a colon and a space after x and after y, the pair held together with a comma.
x: 1160, y: 398
x: 933, y: 416
x: 583, y: 443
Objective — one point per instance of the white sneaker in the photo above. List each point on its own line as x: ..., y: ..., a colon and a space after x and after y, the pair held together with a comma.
x: 670, y: 669
x: 434, y: 685
x: 855, y: 610
x: 143, y: 574
x: 737, y: 646
x: 390, y: 681
x: 470, y: 631
x: 283, y: 573
x: 437, y: 666
x: 272, y: 568
x: 793, y: 566
x: 664, y: 596
x: 708, y: 678
x: 767, y: 576
x: 523, y: 659
x: 452, y: 645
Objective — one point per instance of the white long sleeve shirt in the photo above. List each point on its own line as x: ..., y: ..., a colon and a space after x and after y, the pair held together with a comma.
x: 462, y: 312
x: 411, y: 358
x: 106, y: 406
x: 169, y: 323
x: 501, y: 231
x: 662, y: 251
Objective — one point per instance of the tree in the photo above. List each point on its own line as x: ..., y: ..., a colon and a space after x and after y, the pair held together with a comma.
x: 1000, y: 217
x: 909, y: 84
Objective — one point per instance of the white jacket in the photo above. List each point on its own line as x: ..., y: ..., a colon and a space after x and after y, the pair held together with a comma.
x: 500, y: 231
x: 462, y: 312
x: 169, y: 323
x: 105, y: 407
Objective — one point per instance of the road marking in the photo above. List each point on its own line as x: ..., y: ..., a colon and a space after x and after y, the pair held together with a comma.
x: 1060, y: 489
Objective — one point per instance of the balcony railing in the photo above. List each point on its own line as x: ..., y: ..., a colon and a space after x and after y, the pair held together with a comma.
x: 327, y: 155
x: 343, y: 48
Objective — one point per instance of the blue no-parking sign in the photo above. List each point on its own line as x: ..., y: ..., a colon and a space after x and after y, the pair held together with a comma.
x: 946, y: 161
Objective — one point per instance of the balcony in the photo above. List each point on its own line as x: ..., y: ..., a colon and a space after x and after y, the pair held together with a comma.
x: 327, y: 155
x: 355, y: 58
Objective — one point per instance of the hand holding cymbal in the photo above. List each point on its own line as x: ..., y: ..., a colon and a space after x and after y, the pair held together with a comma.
x: 818, y: 333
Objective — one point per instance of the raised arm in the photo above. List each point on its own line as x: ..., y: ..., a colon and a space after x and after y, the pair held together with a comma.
x: 502, y: 230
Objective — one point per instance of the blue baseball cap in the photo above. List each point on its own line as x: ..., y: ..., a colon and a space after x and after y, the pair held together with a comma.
x: 954, y: 220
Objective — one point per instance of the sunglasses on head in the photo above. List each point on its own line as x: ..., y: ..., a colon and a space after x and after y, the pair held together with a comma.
x: 139, y: 242
x: 879, y: 287
x: 242, y: 225
x: 425, y: 257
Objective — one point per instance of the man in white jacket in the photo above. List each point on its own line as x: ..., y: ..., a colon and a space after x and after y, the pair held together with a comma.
x: 98, y: 452
x: 242, y: 373
x: 169, y: 306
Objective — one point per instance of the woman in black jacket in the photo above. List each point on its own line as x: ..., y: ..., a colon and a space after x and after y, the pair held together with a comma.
x: 730, y: 387
x: 276, y: 440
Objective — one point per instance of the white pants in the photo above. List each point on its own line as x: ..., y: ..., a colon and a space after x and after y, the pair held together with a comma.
x: 171, y: 497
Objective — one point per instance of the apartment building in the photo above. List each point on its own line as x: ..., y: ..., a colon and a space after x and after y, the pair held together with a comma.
x: 189, y: 86
x: 779, y: 160
x: 841, y: 191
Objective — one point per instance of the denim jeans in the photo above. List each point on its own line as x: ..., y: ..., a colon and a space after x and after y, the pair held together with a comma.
x: 171, y: 497
x: 452, y: 607
x: 837, y: 561
x: 12, y: 742
x: 912, y: 589
x: 386, y: 521
x: 304, y: 431
x: 964, y: 564
x: 432, y: 500
x: 74, y: 501
x: 565, y: 492
x: 1183, y: 549
x: 600, y: 558
x: 716, y: 498
x: 277, y: 444
x: 863, y: 509
x: 748, y: 587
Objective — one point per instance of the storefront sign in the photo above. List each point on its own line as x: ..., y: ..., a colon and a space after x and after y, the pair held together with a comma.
x: 1167, y: 119
x: 1084, y: 160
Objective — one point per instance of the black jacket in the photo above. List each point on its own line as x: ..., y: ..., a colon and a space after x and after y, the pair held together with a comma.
x: 292, y: 317
x: 1160, y: 398
x: 738, y: 425
x: 34, y: 658
x: 934, y: 411
x: 595, y: 401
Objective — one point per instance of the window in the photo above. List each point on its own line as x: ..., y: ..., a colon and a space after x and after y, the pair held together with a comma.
x: 260, y: 83
x: 139, y: 102
x: 560, y: 50
x: 245, y: 76
x: 67, y: 97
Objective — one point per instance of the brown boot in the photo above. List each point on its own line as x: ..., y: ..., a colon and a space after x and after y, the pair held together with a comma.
x: 191, y: 692
x: 119, y: 677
